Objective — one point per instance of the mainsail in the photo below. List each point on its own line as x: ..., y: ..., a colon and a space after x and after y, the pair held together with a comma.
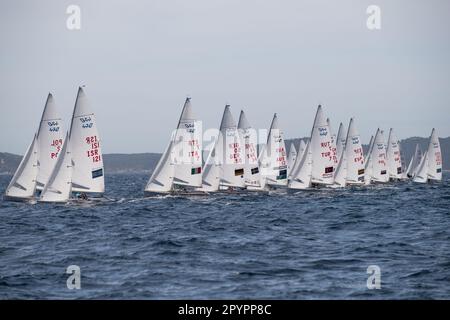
x: 188, y: 149
x: 23, y: 183
x: 340, y: 140
x: 298, y: 159
x: 378, y: 159
x: 211, y: 170
x: 50, y: 141
x: 333, y: 146
x: 421, y: 175
x: 252, y: 176
x: 354, y: 154
x: 341, y: 172
x: 274, y: 165
x: 301, y: 177
x: 161, y: 179
x: 292, y: 157
x: 88, y: 173
x: 369, y: 150
x: 321, y: 150
x: 414, y: 163
x: 231, y: 151
x: 59, y: 185
x: 394, y: 160
x: 434, y: 158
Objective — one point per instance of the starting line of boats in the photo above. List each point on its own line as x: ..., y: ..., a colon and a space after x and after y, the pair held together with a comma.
x: 58, y: 166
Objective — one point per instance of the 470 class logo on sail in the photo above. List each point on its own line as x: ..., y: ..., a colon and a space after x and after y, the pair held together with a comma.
x: 86, y: 122
x: 54, y: 126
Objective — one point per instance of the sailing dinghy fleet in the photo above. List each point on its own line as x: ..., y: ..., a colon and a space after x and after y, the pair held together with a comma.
x: 235, y: 162
x: 58, y: 166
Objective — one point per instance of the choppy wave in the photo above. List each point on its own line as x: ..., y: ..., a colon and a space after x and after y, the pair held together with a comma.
x: 306, y: 245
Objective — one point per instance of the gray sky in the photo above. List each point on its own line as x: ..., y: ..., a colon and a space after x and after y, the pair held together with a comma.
x: 139, y: 60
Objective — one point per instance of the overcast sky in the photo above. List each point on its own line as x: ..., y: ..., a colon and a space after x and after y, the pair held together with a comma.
x: 139, y: 60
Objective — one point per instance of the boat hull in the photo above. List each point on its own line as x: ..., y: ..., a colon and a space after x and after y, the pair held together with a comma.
x: 17, y: 199
x: 148, y: 194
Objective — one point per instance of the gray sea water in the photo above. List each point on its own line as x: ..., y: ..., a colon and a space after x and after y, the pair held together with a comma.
x: 310, y: 245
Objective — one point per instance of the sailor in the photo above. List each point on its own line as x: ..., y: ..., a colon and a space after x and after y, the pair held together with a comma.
x: 83, y: 196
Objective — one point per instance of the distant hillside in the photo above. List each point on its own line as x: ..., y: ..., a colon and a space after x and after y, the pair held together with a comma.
x: 114, y: 163
x: 145, y: 162
x: 9, y: 162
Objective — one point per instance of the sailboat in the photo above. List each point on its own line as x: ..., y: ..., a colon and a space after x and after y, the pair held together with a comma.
x: 434, y: 158
x: 413, y: 165
x: 211, y: 171
x: 263, y: 181
x: 321, y: 151
x: 340, y: 173
x: 355, y: 156
x: 180, y: 166
x: 41, y: 156
x: 274, y: 162
x: 301, y: 149
x: 368, y: 163
x: 292, y: 157
x: 421, y: 175
x: 80, y: 169
x: 231, y: 153
x: 85, y: 145
x: 59, y: 186
x: 301, y: 176
x: 430, y: 166
x: 252, y: 176
x: 377, y: 164
x: 23, y: 184
x: 333, y: 146
x: 50, y: 141
x: 394, y: 160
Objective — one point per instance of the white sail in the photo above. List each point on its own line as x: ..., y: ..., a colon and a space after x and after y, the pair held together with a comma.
x: 187, y: 149
x: 404, y: 175
x: 333, y: 147
x: 414, y: 163
x: 23, y: 183
x: 409, y: 169
x: 161, y: 180
x: 340, y: 140
x: 394, y: 160
x: 354, y: 154
x: 369, y: 150
x: 50, y: 141
x: 301, y: 177
x: 274, y: 165
x: 434, y: 157
x: 263, y: 181
x: 232, y: 152
x: 301, y: 148
x: 59, y: 185
x: 421, y: 175
x: 88, y: 173
x: 341, y: 172
x: 298, y: 158
x: 378, y: 161
x: 252, y: 176
x: 211, y: 171
x: 321, y: 149
x: 292, y: 157
x: 368, y: 163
